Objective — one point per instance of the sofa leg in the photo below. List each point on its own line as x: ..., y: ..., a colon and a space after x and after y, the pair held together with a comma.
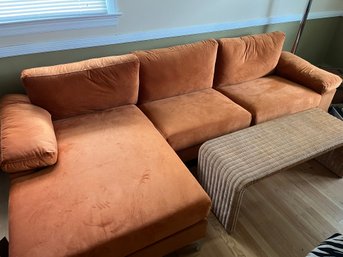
x: 188, y: 249
x: 4, y: 247
x: 194, y: 247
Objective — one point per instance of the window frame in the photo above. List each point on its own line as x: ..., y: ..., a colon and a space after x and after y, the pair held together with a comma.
x: 62, y: 24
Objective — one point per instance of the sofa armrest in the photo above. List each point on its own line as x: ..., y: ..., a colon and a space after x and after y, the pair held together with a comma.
x: 294, y: 68
x: 27, y: 137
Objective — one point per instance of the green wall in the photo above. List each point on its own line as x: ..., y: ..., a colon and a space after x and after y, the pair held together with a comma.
x: 335, y: 55
x: 320, y: 39
x: 321, y: 44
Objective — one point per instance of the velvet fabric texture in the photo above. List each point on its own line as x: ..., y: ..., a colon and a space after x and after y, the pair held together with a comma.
x: 118, y: 187
x: 300, y: 71
x: 76, y: 88
x: 191, y: 119
x: 271, y: 97
x: 247, y: 58
x: 27, y: 135
x: 176, y: 70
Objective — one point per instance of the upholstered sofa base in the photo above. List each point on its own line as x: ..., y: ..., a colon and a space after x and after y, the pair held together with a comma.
x: 176, y: 241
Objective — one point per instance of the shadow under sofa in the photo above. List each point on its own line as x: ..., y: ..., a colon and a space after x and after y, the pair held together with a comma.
x: 93, y: 148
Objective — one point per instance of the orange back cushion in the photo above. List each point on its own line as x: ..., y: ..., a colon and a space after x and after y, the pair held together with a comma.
x: 247, y: 58
x: 176, y: 70
x: 76, y: 88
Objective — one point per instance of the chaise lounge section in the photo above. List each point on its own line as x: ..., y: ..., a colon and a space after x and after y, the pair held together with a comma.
x: 99, y: 199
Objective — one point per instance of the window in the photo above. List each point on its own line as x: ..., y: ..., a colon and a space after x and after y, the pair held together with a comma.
x: 34, y: 26
x: 20, y: 17
x: 32, y: 10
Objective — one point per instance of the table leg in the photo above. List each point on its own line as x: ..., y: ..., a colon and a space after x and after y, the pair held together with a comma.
x: 333, y: 160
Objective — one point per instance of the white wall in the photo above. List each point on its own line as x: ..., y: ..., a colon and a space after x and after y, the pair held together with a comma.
x: 151, y: 19
x: 145, y: 15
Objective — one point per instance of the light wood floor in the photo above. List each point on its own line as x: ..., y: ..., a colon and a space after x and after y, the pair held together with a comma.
x: 285, y: 215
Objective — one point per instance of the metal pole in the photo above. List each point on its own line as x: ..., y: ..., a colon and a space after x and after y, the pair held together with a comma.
x: 301, y: 27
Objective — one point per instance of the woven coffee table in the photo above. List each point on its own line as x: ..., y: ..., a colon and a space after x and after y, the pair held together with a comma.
x: 228, y: 164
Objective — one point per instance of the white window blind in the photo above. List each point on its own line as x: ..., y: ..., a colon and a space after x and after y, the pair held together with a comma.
x: 32, y: 10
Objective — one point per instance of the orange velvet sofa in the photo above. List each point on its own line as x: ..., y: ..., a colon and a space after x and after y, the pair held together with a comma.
x: 93, y: 149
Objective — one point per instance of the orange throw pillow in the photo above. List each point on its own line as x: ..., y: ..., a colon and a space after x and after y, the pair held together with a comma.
x: 28, y: 139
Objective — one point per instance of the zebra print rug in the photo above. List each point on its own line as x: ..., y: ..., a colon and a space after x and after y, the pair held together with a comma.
x: 331, y: 247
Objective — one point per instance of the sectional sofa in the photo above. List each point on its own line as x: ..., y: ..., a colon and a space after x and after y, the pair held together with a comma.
x: 95, y: 148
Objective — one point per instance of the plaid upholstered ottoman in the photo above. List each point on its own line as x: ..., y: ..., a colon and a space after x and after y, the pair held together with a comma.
x: 228, y: 164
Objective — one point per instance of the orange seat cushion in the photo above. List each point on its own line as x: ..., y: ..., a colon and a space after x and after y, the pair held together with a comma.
x: 117, y: 188
x: 271, y: 97
x: 191, y: 119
